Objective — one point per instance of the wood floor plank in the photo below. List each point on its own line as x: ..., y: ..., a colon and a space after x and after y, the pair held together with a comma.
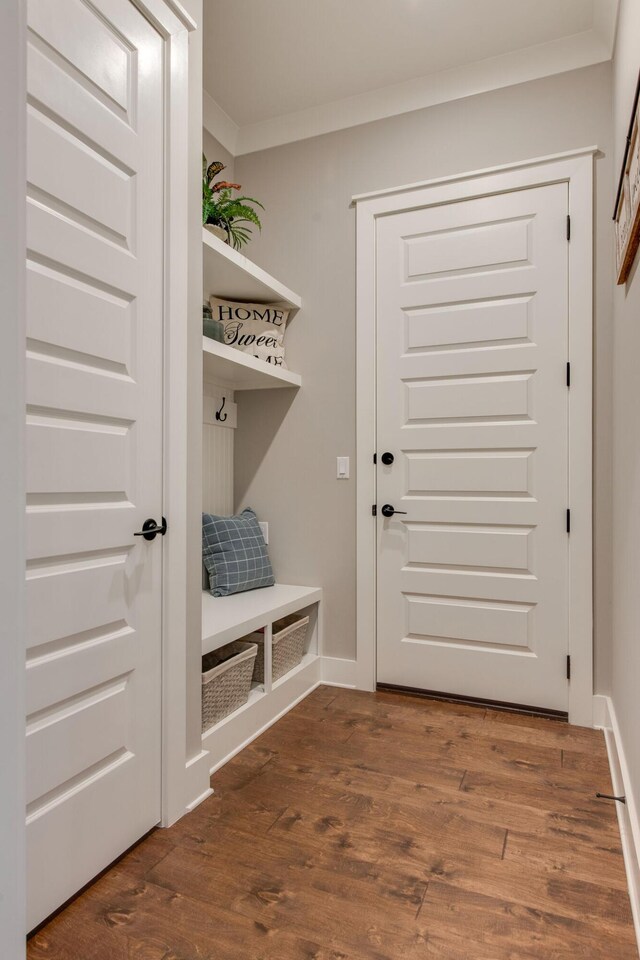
x: 373, y: 827
x: 512, y: 930
x: 483, y: 724
x: 447, y: 796
x: 572, y: 856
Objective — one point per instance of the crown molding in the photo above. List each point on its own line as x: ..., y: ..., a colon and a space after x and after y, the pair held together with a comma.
x: 519, y: 66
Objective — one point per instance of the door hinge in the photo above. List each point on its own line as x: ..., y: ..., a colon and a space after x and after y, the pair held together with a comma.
x: 568, y: 520
x: 568, y: 373
x: 568, y: 667
x: 375, y: 458
x: 568, y: 226
x: 374, y: 510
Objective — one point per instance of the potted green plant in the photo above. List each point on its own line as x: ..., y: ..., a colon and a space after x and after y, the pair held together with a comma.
x: 226, y: 215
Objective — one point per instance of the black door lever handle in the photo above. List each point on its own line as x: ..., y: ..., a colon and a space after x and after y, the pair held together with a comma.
x: 388, y: 511
x: 150, y: 529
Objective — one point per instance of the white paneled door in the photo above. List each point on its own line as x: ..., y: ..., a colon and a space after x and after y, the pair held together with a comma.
x: 94, y: 436
x: 472, y: 313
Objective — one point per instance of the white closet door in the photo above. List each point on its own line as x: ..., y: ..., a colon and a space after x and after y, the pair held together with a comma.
x: 94, y: 436
x: 472, y: 403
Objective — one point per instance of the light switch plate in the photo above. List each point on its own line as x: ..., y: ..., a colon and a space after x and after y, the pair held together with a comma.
x: 264, y: 526
x: 343, y: 468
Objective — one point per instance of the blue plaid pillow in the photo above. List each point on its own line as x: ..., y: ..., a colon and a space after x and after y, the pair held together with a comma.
x: 235, y: 554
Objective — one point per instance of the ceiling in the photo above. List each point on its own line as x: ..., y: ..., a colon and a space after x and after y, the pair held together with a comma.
x: 281, y: 69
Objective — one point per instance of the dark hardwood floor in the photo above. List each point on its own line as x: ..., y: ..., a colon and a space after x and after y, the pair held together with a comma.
x: 376, y: 826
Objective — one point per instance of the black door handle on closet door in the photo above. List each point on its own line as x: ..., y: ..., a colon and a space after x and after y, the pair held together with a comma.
x: 150, y: 529
x: 387, y: 459
x: 388, y: 511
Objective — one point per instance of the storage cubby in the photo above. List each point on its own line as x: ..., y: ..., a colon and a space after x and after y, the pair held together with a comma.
x: 230, y: 275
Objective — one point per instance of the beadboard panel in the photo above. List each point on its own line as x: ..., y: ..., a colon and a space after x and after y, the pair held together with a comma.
x: 217, y: 462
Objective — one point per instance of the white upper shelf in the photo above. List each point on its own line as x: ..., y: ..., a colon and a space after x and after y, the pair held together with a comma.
x: 241, y: 371
x: 230, y: 275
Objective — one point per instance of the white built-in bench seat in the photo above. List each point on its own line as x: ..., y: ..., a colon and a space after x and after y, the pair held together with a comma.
x: 228, y: 618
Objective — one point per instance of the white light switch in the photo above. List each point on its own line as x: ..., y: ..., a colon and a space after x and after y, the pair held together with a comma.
x: 264, y: 526
x: 343, y: 468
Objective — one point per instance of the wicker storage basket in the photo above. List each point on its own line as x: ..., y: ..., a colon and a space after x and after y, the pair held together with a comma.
x: 226, y: 680
x: 289, y: 635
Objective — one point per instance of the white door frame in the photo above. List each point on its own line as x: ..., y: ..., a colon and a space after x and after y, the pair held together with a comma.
x: 181, y: 785
x: 575, y: 169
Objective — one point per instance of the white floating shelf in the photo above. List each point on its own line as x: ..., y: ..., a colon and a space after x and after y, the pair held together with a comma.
x: 232, y: 276
x: 228, y: 618
x: 241, y: 371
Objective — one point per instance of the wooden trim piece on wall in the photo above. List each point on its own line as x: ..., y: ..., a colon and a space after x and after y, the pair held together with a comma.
x: 575, y: 169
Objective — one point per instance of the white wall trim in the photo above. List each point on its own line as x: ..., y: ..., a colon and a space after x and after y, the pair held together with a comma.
x: 174, y: 547
x: 628, y: 820
x: 181, y: 783
x: 577, y: 171
x: 600, y: 711
x: 219, y: 124
x: 474, y: 174
x: 197, y: 773
x: 518, y: 66
x: 337, y: 672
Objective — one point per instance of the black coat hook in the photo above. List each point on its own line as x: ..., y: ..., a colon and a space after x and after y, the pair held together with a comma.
x: 219, y: 414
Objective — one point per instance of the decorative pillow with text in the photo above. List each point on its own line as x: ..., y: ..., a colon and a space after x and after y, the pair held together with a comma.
x: 255, y: 328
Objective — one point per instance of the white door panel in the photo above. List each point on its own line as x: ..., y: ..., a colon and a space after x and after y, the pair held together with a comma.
x: 96, y: 324
x: 82, y: 389
x: 111, y: 522
x: 463, y: 246
x: 61, y: 168
x: 71, y: 594
x: 467, y: 324
x: 98, y: 652
x: 488, y: 547
x: 476, y: 621
x: 472, y: 328
x: 94, y: 438
x: 57, y: 742
x: 483, y: 472
x: 57, y: 89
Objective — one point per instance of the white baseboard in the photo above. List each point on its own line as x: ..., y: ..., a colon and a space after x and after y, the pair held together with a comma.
x: 197, y: 780
x: 604, y: 717
x: 338, y: 673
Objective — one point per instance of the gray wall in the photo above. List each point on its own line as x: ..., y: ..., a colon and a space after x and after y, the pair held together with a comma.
x: 286, y: 449
x: 626, y: 430
x: 213, y: 150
